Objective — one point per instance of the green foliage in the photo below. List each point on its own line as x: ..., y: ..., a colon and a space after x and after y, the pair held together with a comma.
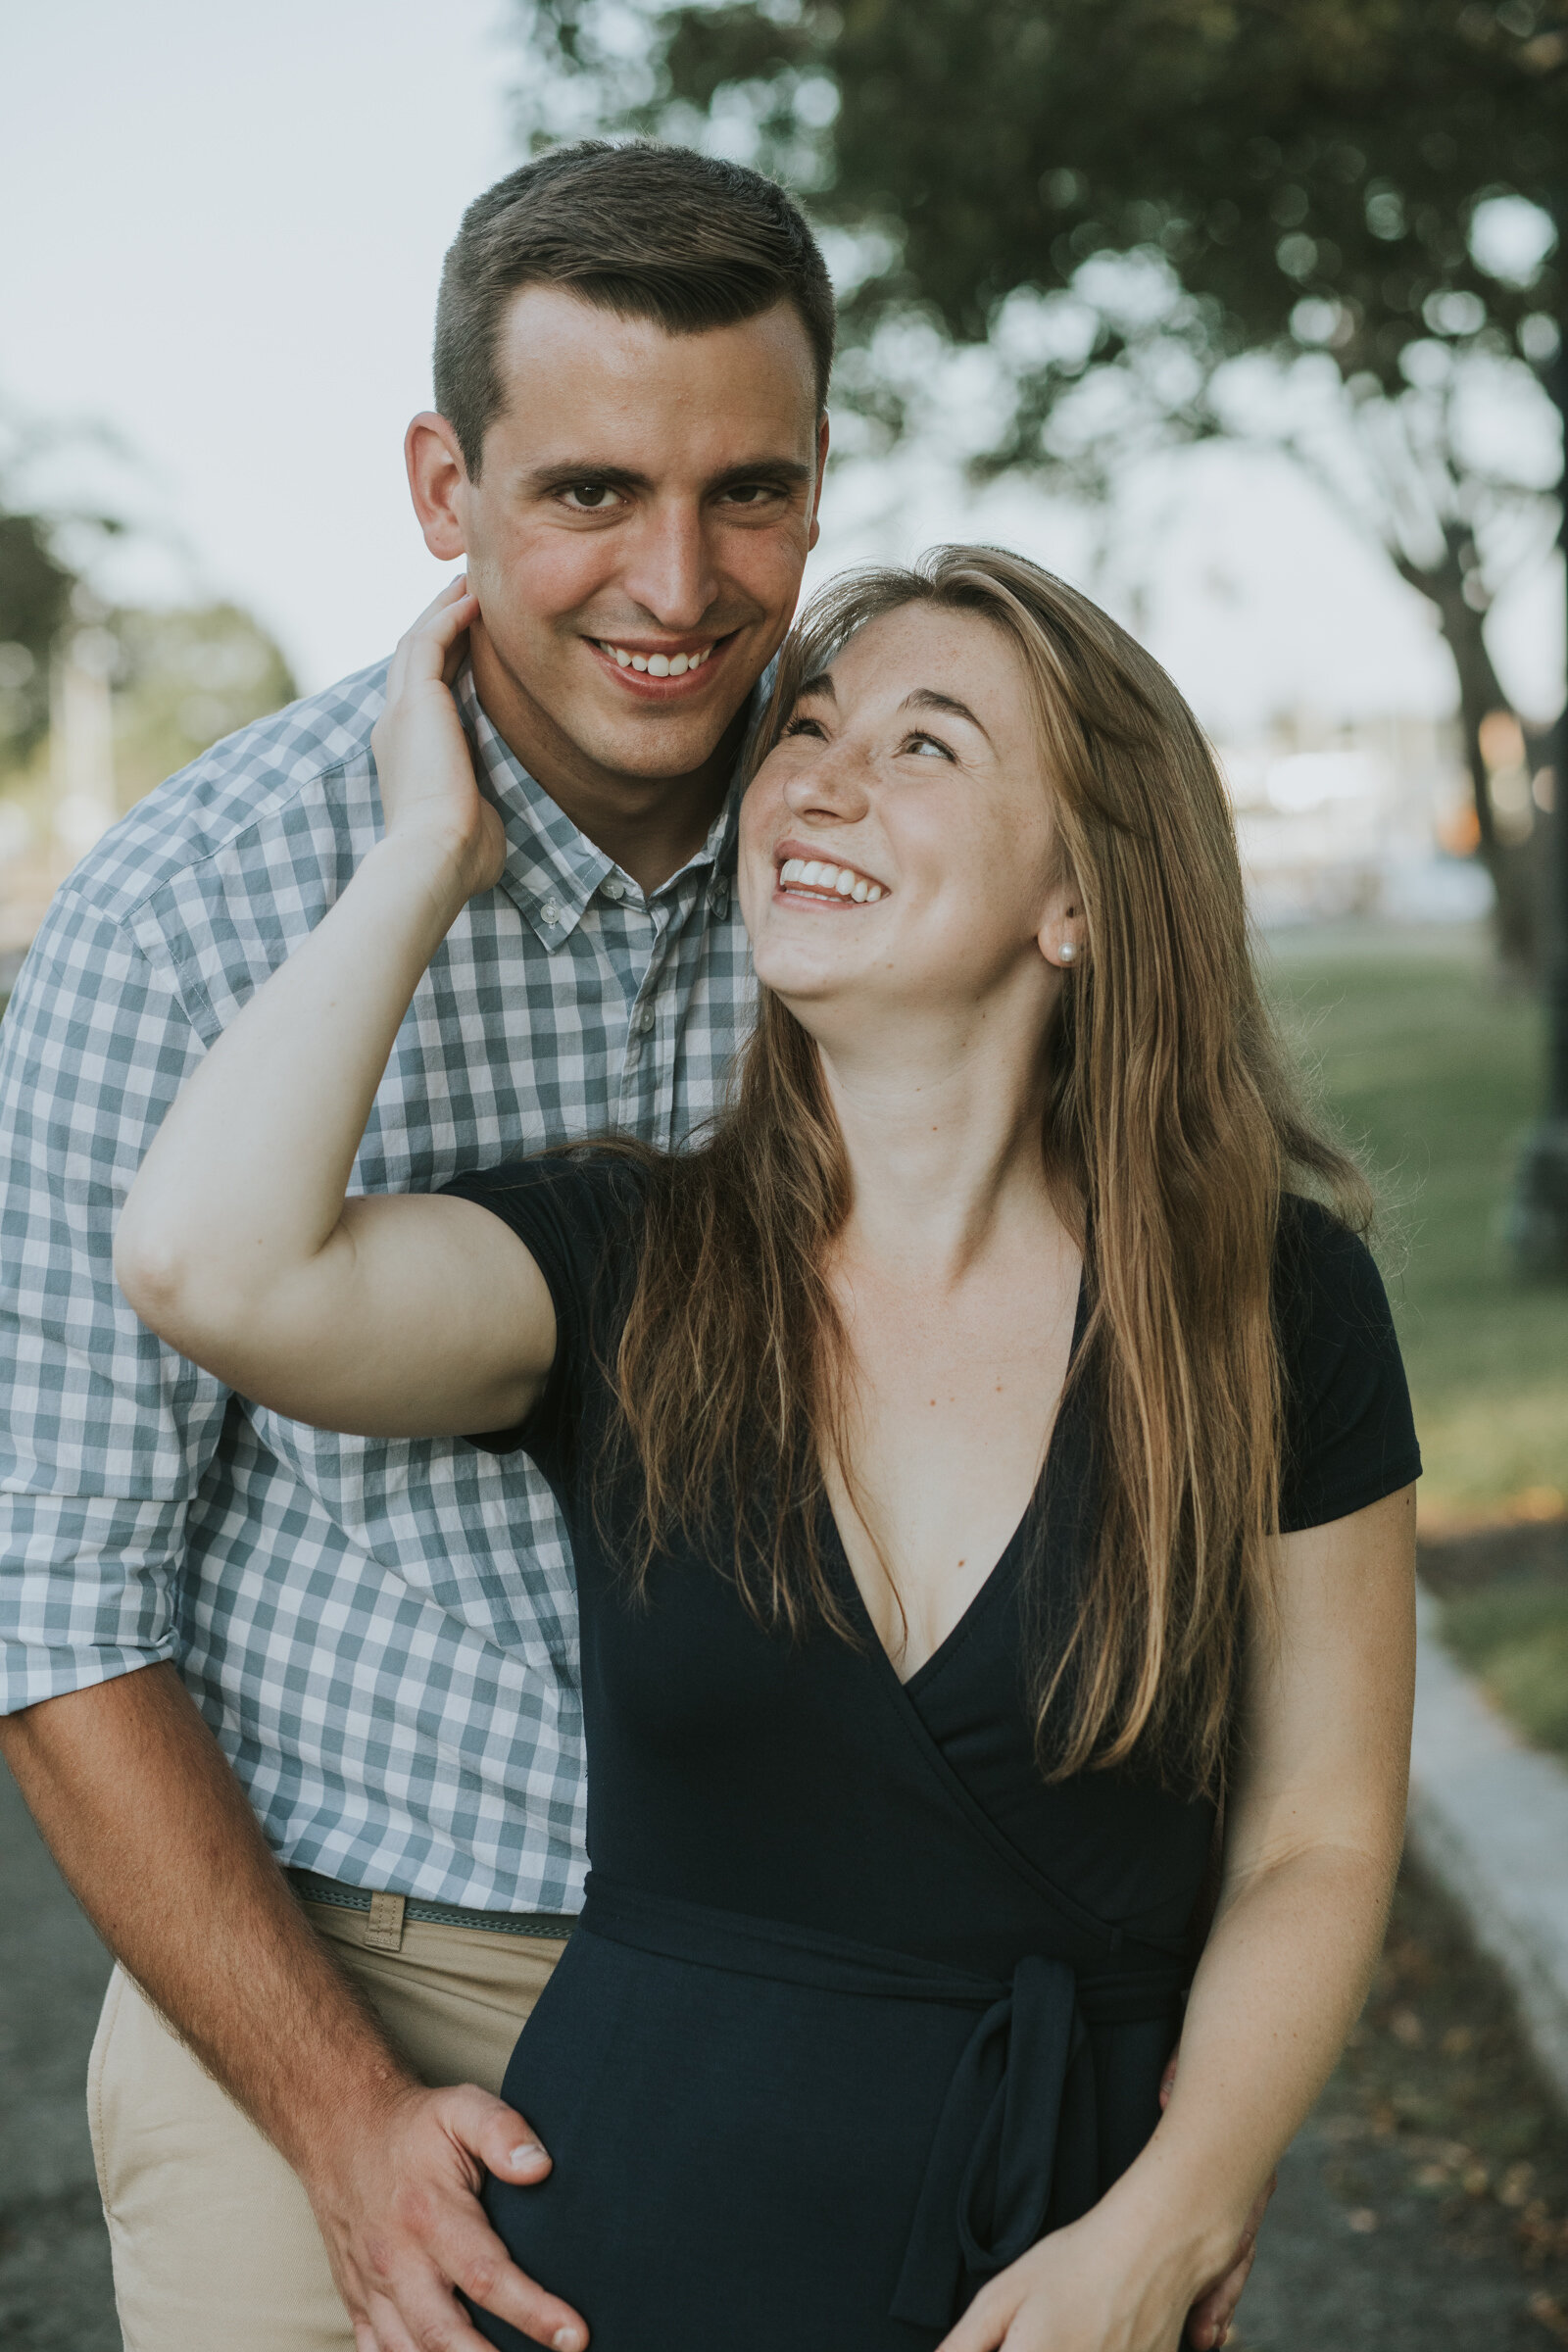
x: 1332, y: 151
x: 1127, y: 197
x: 34, y: 598
x: 184, y: 679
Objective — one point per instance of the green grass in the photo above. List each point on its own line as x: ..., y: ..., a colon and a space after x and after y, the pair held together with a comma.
x: 1436, y: 1073
x: 1515, y: 1637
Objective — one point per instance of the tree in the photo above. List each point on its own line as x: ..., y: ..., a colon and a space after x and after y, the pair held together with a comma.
x: 1314, y: 176
x: 182, y: 679
x: 1314, y: 180
x: 35, y: 589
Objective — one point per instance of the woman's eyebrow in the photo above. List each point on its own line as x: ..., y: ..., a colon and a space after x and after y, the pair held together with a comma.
x: 821, y: 684
x: 926, y: 697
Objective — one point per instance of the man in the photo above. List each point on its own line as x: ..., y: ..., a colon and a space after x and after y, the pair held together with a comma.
x: 348, y: 1656
x: 632, y: 361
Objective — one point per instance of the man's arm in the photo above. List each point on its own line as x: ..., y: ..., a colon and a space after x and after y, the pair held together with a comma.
x: 105, y: 1440
x: 161, y: 1848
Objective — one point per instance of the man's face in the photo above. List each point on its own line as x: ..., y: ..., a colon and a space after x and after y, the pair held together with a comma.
x: 641, y: 520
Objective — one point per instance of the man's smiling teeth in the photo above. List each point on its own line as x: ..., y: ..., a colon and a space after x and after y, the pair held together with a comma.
x: 841, y: 881
x: 658, y: 666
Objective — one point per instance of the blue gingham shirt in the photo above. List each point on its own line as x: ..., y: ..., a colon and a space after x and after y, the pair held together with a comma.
x: 382, y: 1636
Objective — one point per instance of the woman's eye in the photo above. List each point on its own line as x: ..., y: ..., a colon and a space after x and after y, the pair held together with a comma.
x: 590, y: 498
x: 805, y: 726
x: 927, y: 746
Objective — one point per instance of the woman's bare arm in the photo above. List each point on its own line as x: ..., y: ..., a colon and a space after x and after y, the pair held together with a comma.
x: 390, y: 1317
x: 1316, y: 1819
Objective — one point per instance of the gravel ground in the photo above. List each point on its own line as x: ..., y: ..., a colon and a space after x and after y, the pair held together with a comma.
x: 1423, y: 2208
x: 55, y: 2290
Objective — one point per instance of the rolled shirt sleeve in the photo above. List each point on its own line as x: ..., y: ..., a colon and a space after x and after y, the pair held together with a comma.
x: 107, y: 1432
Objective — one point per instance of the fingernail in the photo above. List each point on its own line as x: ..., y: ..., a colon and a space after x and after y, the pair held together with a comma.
x: 567, y: 2340
x: 529, y: 2149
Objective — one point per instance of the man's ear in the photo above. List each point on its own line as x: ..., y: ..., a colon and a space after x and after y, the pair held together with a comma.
x: 815, y: 532
x: 437, y: 479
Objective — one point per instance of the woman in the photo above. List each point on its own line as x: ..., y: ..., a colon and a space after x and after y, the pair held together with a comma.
x: 978, y: 1461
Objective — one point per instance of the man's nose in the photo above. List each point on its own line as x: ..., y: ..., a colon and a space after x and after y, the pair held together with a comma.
x: 671, y: 573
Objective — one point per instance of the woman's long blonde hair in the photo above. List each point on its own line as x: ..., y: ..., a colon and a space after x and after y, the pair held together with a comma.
x: 1172, y: 1127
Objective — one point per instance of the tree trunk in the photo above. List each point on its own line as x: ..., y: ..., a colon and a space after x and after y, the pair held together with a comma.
x: 1516, y: 920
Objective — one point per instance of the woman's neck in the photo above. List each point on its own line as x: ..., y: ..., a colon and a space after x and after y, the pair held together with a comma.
x: 944, y: 1136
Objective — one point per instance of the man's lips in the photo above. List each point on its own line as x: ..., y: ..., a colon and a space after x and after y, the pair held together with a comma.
x: 699, y: 658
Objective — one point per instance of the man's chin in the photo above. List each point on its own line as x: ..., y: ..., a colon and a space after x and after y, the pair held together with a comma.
x: 659, y: 748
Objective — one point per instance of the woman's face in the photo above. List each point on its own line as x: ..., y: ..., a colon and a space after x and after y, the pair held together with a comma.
x: 897, y: 845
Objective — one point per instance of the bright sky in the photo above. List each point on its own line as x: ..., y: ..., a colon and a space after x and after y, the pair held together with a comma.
x: 225, y: 232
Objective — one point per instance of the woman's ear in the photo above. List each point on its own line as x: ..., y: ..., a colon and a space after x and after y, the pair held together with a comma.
x: 1062, y: 936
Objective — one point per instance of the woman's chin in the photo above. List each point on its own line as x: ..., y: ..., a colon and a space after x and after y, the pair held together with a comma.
x: 805, y: 969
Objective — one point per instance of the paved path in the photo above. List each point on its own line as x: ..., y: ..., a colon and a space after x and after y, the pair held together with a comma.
x: 1424, y: 2208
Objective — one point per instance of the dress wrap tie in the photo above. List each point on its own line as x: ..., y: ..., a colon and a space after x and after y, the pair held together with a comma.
x: 1016, y: 2144
x: 1016, y: 2149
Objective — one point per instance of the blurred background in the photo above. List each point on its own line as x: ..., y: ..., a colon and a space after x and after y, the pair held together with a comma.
x: 1248, y: 318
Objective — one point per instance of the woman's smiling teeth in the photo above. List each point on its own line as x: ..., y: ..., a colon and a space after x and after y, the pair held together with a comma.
x: 810, y: 874
x: 658, y: 666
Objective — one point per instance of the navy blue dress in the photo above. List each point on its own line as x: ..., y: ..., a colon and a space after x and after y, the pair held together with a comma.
x: 858, y: 2006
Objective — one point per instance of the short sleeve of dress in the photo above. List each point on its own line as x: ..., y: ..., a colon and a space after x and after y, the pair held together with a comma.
x: 579, y: 1214
x: 1350, y: 1436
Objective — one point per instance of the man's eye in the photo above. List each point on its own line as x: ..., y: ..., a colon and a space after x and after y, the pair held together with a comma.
x: 590, y: 498
x: 751, y: 494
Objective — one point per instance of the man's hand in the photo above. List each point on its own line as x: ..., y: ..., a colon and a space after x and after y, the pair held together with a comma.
x: 160, y: 1845
x: 396, y: 2202
x: 1208, y: 2323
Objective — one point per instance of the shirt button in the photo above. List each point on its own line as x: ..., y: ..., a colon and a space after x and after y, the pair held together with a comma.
x: 719, y: 900
x: 550, y: 913
x: 613, y: 887
x: 643, y: 1021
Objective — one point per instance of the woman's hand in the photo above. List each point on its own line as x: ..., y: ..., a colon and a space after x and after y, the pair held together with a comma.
x: 421, y: 754
x: 396, y: 1317
x: 1090, y: 2287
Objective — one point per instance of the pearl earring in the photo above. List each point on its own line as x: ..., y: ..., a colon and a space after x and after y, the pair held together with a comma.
x: 1066, y: 951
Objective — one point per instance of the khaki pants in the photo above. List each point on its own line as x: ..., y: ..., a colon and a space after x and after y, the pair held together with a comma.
x: 213, y: 2237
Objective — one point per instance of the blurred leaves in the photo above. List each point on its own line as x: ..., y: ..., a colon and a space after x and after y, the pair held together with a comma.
x: 35, y: 599
x: 1274, y: 150
x: 180, y: 676
x: 184, y: 680
x: 1314, y: 224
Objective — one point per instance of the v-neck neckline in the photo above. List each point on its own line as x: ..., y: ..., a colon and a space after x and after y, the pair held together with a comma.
x: 992, y: 1583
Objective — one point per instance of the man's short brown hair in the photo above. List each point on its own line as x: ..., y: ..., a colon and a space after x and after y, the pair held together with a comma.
x: 647, y: 231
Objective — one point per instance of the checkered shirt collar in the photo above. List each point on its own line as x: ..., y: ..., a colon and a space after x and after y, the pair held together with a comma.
x: 552, y: 871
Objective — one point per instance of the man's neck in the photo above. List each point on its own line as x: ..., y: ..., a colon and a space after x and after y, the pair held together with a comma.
x: 649, y: 825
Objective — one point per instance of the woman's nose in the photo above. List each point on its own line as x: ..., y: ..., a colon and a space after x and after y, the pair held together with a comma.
x: 833, y: 785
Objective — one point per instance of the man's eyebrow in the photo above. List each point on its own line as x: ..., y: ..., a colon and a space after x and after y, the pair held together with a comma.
x: 586, y: 469
x: 926, y: 697
x: 788, y: 473
x: 783, y: 473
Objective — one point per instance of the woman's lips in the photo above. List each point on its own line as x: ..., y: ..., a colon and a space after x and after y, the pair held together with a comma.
x: 824, y: 882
